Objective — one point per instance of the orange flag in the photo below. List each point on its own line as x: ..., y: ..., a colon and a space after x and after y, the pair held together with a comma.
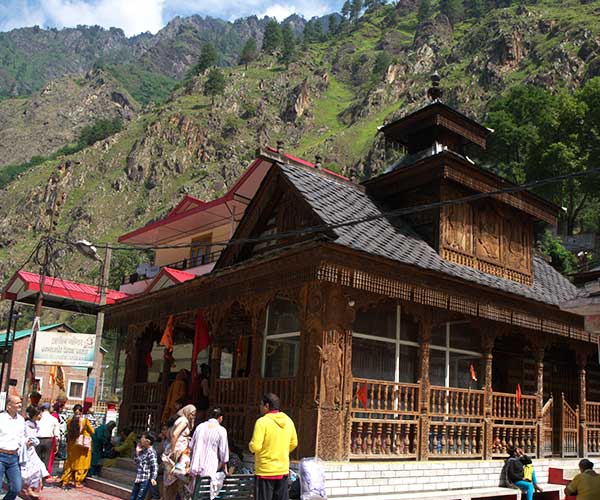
x: 167, y: 337
x: 472, y: 373
x: 361, y: 394
x: 60, y: 378
x: 518, y: 395
x: 52, y: 375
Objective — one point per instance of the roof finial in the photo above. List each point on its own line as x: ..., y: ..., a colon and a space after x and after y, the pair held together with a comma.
x: 435, y: 92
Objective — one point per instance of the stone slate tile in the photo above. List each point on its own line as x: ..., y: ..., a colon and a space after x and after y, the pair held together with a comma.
x: 335, y: 201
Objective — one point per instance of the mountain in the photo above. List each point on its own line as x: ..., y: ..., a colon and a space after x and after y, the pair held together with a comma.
x: 31, y: 57
x: 329, y: 101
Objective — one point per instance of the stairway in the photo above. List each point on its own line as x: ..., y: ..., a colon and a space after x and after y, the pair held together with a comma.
x: 116, y: 481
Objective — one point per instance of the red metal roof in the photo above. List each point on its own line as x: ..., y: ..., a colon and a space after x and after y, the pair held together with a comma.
x: 25, y: 283
x: 175, y: 276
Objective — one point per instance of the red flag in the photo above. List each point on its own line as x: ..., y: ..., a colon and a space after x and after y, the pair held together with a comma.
x: 167, y: 337
x: 149, y: 360
x: 518, y: 395
x: 472, y: 373
x: 361, y: 394
x: 201, y: 342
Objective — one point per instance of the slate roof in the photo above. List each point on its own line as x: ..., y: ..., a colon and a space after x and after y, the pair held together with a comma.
x: 335, y: 201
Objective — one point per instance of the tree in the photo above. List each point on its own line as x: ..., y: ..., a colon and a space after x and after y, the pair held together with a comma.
x: 249, y: 52
x: 475, y: 8
x: 382, y: 62
x: 562, y: 260
x: 346, y: 9
x: 289, y: 45
x: 215, y: 84
x: 425, y: 10
x: 208, y: 58
x: 355, y: 8
x: 273, y: 38
x: 333, y: 25
x: 454, y: 9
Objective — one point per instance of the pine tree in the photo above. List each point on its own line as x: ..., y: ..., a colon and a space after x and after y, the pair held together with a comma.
x: 273, y: 39
x: 249, y: 52
x: 475, y: 8
x: 454, y: 9
x: 208, y: 58
x: 289, y: 45
x: 355, y: 8
x: 333, y: 25
x: 425, y: 10
x: 346, y: 9
x: 215, y: 84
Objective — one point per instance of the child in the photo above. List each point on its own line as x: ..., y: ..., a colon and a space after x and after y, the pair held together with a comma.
x: 147, y: 467
x: 33, y: 470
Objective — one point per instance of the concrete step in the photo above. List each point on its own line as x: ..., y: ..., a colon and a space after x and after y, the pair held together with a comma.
x: 109, y: 487
x: 117, y: 475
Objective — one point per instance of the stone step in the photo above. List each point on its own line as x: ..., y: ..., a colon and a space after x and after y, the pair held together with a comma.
x: 109, y: 487
x: 117, y: 475
x: 125, y: 463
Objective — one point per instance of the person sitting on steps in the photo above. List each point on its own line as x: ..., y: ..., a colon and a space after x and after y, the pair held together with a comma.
x: 520, y: 472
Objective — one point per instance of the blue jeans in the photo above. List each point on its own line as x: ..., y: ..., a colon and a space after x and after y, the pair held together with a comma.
x: 527, y: 487
x: 140, y: 490
x: 9, y: 466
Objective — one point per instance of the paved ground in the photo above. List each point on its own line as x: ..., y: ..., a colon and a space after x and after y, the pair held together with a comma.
x: 57, y: 493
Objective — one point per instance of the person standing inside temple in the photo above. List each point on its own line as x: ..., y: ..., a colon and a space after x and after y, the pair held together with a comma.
x: 12, y: 434
x: 48, y: 434
x: 202, y: 397
x: 273, y: 439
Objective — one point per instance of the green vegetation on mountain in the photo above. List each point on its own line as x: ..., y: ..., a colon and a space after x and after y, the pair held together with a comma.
x: 526, y: 70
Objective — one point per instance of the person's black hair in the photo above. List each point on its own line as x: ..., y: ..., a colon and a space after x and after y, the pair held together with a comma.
x: 171, y: 421
x: 77, y: 407
x: 112, y: 423
x: 150, y: 436
x: 511, y: 450
x: 181, y: 402
x: 585, y: 464
x: 215, y: 413
x: 271, y: 400
x: 126, y: 431
x: 32, y: 412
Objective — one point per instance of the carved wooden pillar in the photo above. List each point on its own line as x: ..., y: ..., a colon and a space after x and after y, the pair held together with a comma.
x: 582, y: 357
x: 425, y: 326
x: 538, y: 353
x: 334, y: 376
x: 487, y: 346
x: 132, y: 361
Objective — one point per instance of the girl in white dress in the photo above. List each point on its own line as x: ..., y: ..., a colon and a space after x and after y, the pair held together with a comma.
x: 33, y: 470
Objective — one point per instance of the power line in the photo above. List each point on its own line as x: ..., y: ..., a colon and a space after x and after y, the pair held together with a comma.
x: 361, y: 220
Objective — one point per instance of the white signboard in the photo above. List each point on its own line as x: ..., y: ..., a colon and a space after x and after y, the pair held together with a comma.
x: 64, y: 349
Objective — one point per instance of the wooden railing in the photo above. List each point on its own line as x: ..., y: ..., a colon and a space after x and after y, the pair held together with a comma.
x: 147, y: 393
x: 285, y: 388
x: 569, y: 429
x: 231, y: 392
x: 592, y: 420
x: 384, y: 419
x: 547, y: 428
x: 514, y: 423
x: 146, y: 404
x: 456, y: 422
x: 505, y: 407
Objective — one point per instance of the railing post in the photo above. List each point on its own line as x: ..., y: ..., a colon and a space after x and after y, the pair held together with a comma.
x: 582, y: 438
x: 425, y: 339
x: 487, y: 347
x: 539, y: 395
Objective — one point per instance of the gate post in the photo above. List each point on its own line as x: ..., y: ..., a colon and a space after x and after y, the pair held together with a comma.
x: 539, y: 358
x: 582, y: 438
x: 487, y: 348
x: 425, y: 339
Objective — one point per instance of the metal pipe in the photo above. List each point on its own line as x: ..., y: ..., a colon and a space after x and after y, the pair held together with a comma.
x: 12, y: 348
x: 5, y: 352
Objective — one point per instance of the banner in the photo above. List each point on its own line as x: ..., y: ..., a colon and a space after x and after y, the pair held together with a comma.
x: 64, y: 349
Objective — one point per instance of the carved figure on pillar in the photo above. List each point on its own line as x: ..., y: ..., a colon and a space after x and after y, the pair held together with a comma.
x: 332, y: 369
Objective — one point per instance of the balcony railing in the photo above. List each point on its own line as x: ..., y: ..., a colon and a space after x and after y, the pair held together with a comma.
x: 181, y: 265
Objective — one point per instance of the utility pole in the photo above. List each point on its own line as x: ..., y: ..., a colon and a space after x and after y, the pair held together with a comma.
x: 15, y: 318
x: 56, y: 199
x: 5, y: 351
x: 104, y: 275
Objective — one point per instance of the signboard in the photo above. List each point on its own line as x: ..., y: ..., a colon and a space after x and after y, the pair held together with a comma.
x: 2, y: 401
x: 64, y: 349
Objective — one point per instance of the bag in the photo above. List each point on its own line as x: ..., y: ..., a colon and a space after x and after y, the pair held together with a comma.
x: 84, y: 441
x: 312, y: 479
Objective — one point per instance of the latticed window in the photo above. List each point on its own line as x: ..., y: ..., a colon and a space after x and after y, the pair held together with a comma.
x: 455, y: 348
x: 384, y: 346
x: 281, y: 340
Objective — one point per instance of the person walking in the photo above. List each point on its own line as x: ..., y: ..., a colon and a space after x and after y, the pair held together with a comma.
x: 12, y: 434
x: 176, y: 455
x: 146, y: 467
x: 79, y: 453
x: 48, y: 434
x: 210, y: 448
x: 585, y: 485
x: 33, y: 470
x: 273, y: 439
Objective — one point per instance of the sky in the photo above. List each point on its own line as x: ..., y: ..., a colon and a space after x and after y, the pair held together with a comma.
x: 138, y: 16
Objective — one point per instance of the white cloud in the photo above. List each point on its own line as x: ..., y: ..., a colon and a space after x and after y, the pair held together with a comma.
x: 280, y: 12
x: 132, y: 16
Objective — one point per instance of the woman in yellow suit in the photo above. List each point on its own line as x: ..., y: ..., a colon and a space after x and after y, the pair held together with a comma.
x: 79, y: 452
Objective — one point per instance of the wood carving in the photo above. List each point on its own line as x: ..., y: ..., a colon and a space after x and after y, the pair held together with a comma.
x: 517, y: 243
x: 458, y: 230
x: 488, y: 233
x: 331, y: 362
x: 337, y: 313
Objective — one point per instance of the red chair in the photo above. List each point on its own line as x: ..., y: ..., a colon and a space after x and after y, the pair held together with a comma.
x: 555, y: 476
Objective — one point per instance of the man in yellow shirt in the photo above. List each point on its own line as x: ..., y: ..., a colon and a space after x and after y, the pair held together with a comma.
x: 273, y: 439
x: 585, y: 485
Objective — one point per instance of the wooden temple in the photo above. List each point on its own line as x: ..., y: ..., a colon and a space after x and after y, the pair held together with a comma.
x: 389, y: 332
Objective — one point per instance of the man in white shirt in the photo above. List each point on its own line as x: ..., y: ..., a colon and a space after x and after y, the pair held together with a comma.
x: 48, y: 428
x: 12, y: 434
